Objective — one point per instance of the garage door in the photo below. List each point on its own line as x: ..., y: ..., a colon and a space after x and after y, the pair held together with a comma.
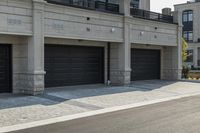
x: 5, y: 73
x: 73, y: 65
x: 145, y: 64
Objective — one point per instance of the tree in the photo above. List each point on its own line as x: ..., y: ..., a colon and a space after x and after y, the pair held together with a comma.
x: 185, y: 70
x: 184, y: 49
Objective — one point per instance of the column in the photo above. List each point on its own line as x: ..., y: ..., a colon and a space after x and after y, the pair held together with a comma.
x: 195, y: 56
x: 36, y: 51
x: 124, y: 7
x: 120, y: 53
x: 178, y: 19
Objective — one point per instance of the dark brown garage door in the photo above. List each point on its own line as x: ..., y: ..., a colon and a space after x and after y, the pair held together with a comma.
x: 5, y: 69
x: 73, y: 65
x: 145, y: 64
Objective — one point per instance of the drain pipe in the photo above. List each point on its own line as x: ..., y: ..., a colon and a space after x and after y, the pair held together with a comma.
x: 108, y: 64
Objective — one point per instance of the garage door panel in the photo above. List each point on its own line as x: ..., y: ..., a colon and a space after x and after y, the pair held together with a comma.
x: 5, y: 69
x: 73, y: 65
x: 145, y: 64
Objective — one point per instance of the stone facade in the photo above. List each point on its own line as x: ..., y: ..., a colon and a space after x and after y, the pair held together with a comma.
x: 29, y: 24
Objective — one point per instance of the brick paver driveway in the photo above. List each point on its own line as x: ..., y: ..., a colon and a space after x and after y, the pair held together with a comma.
x: 56, y: 102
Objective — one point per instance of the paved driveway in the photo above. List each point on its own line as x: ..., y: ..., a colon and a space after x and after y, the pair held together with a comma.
x: 16, y: 109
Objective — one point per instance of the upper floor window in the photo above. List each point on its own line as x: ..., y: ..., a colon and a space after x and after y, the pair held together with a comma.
x: 188, y: 36
x: 188, y: 16
x: 113, y: 1
x: 135, y: 3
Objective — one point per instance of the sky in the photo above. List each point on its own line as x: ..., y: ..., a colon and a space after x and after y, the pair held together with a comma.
x: 157, y: 5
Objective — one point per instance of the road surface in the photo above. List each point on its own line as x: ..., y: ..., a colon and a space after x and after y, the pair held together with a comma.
x: 177, y: 116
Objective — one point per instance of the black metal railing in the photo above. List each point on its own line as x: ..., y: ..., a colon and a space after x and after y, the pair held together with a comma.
x: 88, y: 4
x: 106, y: 6
x: 151, y: 15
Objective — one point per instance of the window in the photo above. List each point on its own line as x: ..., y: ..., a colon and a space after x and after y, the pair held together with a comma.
x: 113, y: 1
x: 189, y: 56
x: 188, y: 36
x: 188, y: 16
x: 109, y: 1
x: 135, y: 3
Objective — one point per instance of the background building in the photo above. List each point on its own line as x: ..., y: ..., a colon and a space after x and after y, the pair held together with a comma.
x: 190, y: 17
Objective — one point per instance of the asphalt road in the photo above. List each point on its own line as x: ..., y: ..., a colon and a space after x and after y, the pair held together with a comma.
x: 177, y: 116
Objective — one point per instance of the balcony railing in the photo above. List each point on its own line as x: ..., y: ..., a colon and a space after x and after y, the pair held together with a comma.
x: 151, y: 15
x: 88, y: 4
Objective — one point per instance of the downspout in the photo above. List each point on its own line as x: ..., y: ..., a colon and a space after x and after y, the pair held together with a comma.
x: 108, y: 64
x: 106, y: 4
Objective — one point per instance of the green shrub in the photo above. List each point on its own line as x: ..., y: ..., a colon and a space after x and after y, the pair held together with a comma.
x: 185, y: 72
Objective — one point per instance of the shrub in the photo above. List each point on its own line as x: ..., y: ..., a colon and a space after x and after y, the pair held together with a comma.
x: 185, y: 72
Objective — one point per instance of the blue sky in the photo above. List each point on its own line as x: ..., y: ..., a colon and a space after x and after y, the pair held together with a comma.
x: 157, y: 5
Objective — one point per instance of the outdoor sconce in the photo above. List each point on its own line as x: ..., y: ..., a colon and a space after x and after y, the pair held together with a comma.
x: 141, y: 33
x: 113, y: 30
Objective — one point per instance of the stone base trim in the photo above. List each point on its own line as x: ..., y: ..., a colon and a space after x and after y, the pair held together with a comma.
x: 120, y: 77
x: 172, y: 74
x: 27, y: 83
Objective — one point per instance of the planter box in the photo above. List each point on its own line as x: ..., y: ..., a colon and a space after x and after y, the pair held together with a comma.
x: 194, y: 74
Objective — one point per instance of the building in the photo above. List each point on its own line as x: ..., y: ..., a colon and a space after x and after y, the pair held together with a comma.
x: 191, y: 31
x: 52, y: 43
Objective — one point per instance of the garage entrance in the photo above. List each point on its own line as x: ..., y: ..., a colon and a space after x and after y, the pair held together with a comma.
x: 5, y: 69
x: 73, y: 65
x: 145, y: 64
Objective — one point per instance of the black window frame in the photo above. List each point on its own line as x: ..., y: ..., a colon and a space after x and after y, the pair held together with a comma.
x: 187, y: 37
x: 187, y: 13
x: 187, y: 21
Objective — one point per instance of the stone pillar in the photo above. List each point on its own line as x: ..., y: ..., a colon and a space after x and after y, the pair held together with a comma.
x: 179, y: 48
x: 35, y: 75
x: 120, y: 67
x: 125, y: 54
x: 198, y: 56
x: 172, y: 56
x: 124, y: 7
x: 177, y: 51
x: 195, y: 56
x: 120, y: 71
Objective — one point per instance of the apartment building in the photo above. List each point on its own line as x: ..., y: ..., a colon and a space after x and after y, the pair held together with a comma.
x: 53, y: 43
x: 189, y: 16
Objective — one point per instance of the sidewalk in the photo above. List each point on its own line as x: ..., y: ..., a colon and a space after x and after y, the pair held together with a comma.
x: 57, y: 102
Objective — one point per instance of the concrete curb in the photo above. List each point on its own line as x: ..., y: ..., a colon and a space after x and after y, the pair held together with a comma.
x: 87, y: 114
